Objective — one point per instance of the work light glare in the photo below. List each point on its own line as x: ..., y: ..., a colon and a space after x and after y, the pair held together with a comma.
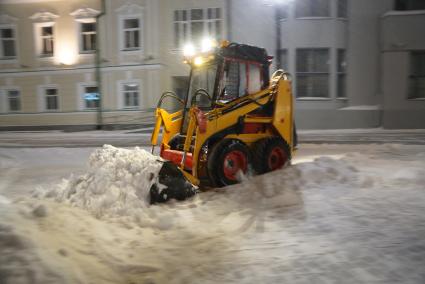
x: 189, y: 50
x: 207, y: 44
x: 198, y: 61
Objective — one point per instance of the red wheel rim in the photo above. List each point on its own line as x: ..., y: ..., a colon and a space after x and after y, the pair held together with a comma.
x: 277, y: 158
x: 234, y: 162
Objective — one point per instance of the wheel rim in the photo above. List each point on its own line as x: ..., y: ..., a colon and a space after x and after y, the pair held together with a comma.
x: 234, y: 162
x: 277, y: 158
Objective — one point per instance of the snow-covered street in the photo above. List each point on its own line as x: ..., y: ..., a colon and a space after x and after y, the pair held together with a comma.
x: 340, y: 214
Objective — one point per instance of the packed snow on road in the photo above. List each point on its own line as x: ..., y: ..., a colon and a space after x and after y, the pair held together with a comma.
x: 338, y: 214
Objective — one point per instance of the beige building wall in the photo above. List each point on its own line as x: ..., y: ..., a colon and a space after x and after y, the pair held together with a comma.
x: 151, y: 66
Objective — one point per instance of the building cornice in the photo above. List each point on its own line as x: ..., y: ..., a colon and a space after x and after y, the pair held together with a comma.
x: 25, y: 1
x: 84, y: 13
x: 6, y: 19
x: 44, y: 17
x: 130, y: 8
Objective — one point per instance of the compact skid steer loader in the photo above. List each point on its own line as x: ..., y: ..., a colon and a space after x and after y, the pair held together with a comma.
x: 234, y: 117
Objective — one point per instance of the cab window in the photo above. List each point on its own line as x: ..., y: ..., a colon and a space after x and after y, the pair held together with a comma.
x: 239, y: 79
x: 255, y: 80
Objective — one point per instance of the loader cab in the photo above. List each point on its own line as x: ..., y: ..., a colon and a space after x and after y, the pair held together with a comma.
x: 230, y: 73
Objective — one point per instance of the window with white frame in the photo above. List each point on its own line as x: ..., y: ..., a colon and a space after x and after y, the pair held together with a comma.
x: 86, y: 21
x: 214, y: 23
x: 87, y: 37
x: 7, y: 43
x: 44, y: 33
x: 341, y: 73
x: 312, y: 8
x: 181, y: 27
x: 130, y: 93
x: 47, y: 42
x: 14, y: 100
x: 131, y: 33
x: 51, y: 99
x: 312, y: 73
x: 417, y: 75
x: 193, y: 25
x: 90, y: 97
x: 406, y: 5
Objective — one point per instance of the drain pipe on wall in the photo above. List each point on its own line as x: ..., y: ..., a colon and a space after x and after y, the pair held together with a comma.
x: 98, y: 67
x: 278, y: 32
x: 229, y: 7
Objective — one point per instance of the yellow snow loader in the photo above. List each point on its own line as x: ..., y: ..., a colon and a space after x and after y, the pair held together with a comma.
x: 234, y: 118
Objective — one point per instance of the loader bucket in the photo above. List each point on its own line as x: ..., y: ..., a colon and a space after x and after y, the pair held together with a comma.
x: 173, y: 185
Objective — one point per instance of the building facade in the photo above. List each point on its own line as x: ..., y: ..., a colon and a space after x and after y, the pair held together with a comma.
x: 48, y: 58
x: 354, y: 63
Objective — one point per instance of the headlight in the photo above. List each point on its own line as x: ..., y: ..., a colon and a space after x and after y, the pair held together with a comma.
x: 198, y: 61
x: 207, y: 44
x: 189, y: 50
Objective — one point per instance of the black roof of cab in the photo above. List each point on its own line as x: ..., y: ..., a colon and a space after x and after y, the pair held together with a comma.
x: 246, y: 52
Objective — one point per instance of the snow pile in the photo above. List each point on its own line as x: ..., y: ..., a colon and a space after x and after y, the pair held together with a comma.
x: 328, y: 170
x: 117, y: 182
x: 20, y: 261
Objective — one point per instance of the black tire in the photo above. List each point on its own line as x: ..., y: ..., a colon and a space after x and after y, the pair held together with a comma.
x: 226, y: 158
x: 270, y: 154
x: 177, y: 142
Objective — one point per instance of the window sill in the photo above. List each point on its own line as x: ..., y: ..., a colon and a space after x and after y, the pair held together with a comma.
x: 416, y: 99
x: 131, y: 50
x: 46, y: 58
x: 87, y: 53
x: 314, y: 18
x: 8, y: 60
x: 314, y: 99
x: 403, y: 13
x: 130, y: 108
x: 342, y: 99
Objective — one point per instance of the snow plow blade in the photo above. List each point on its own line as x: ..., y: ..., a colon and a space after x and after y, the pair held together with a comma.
x: 177, y: 186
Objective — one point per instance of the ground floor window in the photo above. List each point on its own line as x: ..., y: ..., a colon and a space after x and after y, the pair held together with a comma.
x: 131, y: 95
x: 180, y: 85
x: 406, y: 5
x: 14, y: 100
x: 91, y: 97
x: 51, y: 99
x: 417, y: 75
x: 341, y: 73
x: 312, y: 72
